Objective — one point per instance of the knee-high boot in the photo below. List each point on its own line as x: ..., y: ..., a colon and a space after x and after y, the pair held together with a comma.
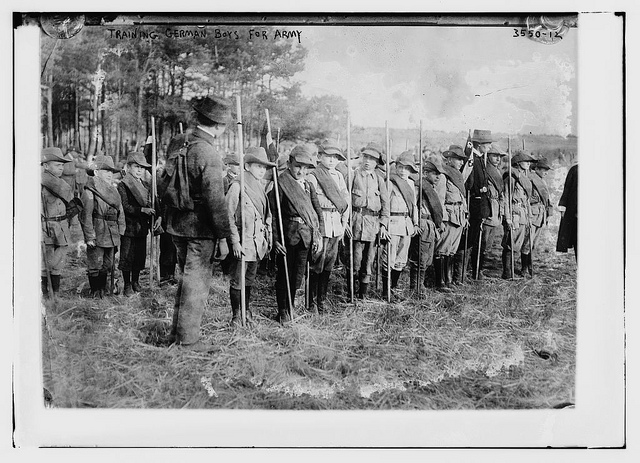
x: 506, y: 264
x: 236, y: 297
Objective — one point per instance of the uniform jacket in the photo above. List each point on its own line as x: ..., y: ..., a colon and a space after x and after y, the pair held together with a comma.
x: 334, y: 222
x: 254, y: 224
x: 55, y: 228
x: 368, y: 190
x: 519, y: 201
x: 539, y: 201
x: 209, y: 218
x: 137, y: 223
x: 454, y: 203
x: 402, y: 225
x: 295, y: 230
x: 100, y: 221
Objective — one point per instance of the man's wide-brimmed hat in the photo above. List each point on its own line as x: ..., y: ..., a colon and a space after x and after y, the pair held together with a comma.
x: 455, y: 151
x: 542, y: 163
x: 482, y: 136
x: 258, y: 155
x: 102, y: 162
x: 497, y: 151
x: 137, y: 158
x: 332, y: 150
x: 521, y: 156
x: 406, y: 159
x: 434, y: 164
x: 374, y: 150
x: 52, y: 154
x: 215, y: 108
x: 305, y: 153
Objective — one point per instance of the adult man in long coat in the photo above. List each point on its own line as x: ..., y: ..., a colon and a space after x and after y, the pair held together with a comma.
x: 568, y: 206
x: 199, y: 220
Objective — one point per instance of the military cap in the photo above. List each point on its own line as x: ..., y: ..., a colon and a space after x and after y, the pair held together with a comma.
x: 406, y: 159
x: 52, y: 154
x: 542, y: 163
x: 305, y: 153
x: 215, y: 108
x: 434, y: 164
x: 332, y: 150
x: 455, y: 151
x: 482, y: 136
x: 521, y: 156
x: 257, y: 154
x: 374, y: 150
x: 497, y: 151
x: 102, y: 162
x: 231, y: 160
x: 135, y: 157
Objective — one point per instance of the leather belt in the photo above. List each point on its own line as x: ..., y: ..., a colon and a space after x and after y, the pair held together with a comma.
x: 365, y: 211
x: 58, y: 218
x: 399, y: 214
x: 453, y: 204
x: 108, y: 218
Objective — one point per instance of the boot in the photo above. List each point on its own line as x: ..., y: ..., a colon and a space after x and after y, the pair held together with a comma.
x: 44, y: 286
x: 128, y: 291
x: 104, y: 283
x: 440, y: 272
x: 323, y: 287
x: 458, y: 267
x: 247, y: 307
x: 524, y: 266
x: 506, y: 264
x: 135, y: 275
x: 529, y: 266
x: 413, y: 279
x: 283, y: 308
x: 395, y: 277
x: 449, y: 271
x: 94, y: 285
x: 362, y: 291
x: 55, y: 283
x: 235, y: 297
x: 314, y: 281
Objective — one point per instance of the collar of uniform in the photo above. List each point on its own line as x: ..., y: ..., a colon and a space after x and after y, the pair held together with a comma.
x: 364, y: 173
x: 204, y: 133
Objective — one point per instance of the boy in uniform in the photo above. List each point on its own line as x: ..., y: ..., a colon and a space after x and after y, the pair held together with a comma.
x: 332, y: 191
x: 430, y: 222
x: 139, y: 215
x: 233, y: 167
x: 103, y: 221
x: 540, y: 201
x: 252, y: 218
x: 370, y: 214
x: 451, y: 190
x: 517, y: 214
x: 302, y: 221
x: 403, y: 220
x: 57, y: 206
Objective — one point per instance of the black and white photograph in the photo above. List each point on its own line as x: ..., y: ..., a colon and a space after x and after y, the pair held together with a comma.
x: 319, y: 218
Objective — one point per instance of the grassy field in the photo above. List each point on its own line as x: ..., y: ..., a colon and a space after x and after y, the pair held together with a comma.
x: 492, y: 344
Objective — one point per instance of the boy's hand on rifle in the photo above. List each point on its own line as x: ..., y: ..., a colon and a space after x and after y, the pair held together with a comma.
x: 91, y: 244
x: 157, y: 223
x: 347, y: 231
x: 237, y: 251
x: 384, y: 234
x: 280, y: 249
x: 147, y: 210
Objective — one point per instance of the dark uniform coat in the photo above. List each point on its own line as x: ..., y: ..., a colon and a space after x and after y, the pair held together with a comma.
x: 568, y: 232
x: 137, y: 223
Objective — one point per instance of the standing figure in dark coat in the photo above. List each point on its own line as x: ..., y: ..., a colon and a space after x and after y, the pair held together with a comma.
x: 568, y: 206
x: 138, y: 213
x: 198, y: 219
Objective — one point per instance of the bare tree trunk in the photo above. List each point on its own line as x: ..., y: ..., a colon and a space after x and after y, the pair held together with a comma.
x: 76, y: 122
x: 49, y: 141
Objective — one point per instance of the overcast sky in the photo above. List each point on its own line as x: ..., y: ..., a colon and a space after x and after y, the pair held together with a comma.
x: 404, y: 74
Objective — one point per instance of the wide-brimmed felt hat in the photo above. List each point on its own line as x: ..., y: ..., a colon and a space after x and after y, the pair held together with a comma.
x: 332, y: 150
x: 305, y: 153
x: 433, y: 163
x: 455, y: 151
x: 521, y: 156
x: 215, y: 108
x: 258, y: 155
x: 406, y: 159
x: 102, y: 162
x: 283, y: 161
x: 482, y: 136
x: 497, y: 151
x: 374, y: 150
x: 231, y: 160
x: 52, y: 154
x: 542, y: 163
x: 137, y: 158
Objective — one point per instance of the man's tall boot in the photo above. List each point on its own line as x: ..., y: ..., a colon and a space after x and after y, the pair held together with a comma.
x: 126, y: 276
x: 55, y: 283
x: 506, y: 264
x: 438, y: 267
x: 235, y: 296
x: 362, y: 290
x: 458, y: 267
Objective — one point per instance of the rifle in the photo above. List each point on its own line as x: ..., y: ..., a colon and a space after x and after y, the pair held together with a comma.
x: 387, y: 180
x: 418, y: 280
x: 240, y: 148
x: 510, y: 208
x: 531, y: 233
x: 281, y: 227
x: 350, y: 208
x: 154, y: 270
x: 466, y: 242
